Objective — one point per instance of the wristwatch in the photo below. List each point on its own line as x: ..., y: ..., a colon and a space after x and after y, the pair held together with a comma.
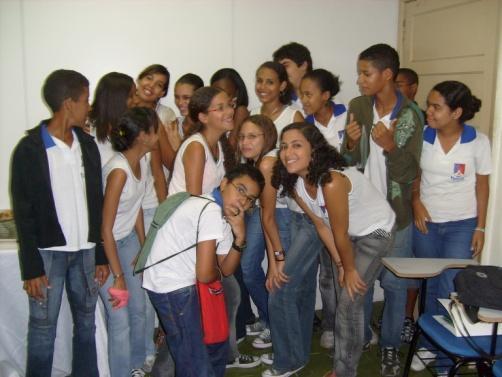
x: 237, y: 248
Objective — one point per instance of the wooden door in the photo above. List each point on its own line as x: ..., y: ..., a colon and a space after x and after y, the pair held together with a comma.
x: 452, y: 40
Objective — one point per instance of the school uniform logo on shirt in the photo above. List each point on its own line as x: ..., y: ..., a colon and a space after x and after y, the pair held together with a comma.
x: 458, y: 172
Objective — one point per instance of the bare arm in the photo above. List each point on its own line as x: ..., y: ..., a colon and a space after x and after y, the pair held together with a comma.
x: 336, y: 196
x: 167, y: 152
x: 159, y: 179
x: 194, y: 160
x: 482, y: 194
x: 115, y: 184
x: 420, y: 214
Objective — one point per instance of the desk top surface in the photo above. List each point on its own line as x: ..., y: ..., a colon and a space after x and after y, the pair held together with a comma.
x: 490, y: 315
x: 420, y: 268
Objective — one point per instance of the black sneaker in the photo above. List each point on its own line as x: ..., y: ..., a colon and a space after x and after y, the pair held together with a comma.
x: 390, y: 362
x: 408, y: 330
x: 244, y: 361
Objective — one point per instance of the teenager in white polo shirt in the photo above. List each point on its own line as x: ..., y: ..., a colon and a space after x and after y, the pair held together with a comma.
x: 171, y: 284
x: 57, y: 201
x: 450, y: 199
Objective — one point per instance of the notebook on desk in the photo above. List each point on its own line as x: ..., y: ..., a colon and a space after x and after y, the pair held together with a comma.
x: 458, y: 323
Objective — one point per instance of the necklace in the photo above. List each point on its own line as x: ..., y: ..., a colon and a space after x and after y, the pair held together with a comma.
x: 273, y: 112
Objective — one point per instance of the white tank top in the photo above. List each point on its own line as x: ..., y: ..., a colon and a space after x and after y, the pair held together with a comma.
x: 214, y: 171
x: 131, y: 196
x: 368, y: 209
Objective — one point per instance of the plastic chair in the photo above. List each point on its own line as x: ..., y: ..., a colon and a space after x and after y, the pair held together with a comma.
x: 457, y: 349
x: 497, y: 369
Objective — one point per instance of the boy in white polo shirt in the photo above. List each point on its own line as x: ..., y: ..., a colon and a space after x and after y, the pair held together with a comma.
x: 57, y: 198
x: 208, y: 223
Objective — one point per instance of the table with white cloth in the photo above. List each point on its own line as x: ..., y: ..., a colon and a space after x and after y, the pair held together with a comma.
x: 14, y: 316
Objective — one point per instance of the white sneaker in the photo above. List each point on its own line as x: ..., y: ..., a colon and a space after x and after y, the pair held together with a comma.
x: 275, y: 373
x: 264, y: 340
x: 267, y: 358
x: 327, y: 339
x: 427, y: 357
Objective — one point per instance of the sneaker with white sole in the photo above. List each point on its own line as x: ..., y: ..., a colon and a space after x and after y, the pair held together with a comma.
x: 275, y: 373
x: 327, y: 339
x: 408, y: 330
x: 421, y: 359
x: 245, y: 361
x: 389, y: 366
x: 255, y: 329
x: 264, y: 340
x: 267, y: 358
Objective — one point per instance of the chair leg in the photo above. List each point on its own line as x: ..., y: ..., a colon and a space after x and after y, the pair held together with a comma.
x: 454, y: 369
x: 411, y: 352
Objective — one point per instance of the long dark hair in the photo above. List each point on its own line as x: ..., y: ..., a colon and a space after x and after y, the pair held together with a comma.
x: 236, y: 79
x: 324, y: 158
x: 110, y: 102
x: 199, y: 103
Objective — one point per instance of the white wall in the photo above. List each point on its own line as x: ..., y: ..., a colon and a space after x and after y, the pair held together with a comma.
x: 96, y: 37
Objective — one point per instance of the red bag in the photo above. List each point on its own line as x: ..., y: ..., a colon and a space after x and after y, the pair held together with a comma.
x: 213, y: 312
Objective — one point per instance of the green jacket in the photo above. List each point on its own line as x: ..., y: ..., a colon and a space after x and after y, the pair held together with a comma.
x: 402, y: 163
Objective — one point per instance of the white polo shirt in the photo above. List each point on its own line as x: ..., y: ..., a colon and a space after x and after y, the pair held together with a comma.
x: 335, y: 129
x: 448, y: 183
x: 178, y: 233
x: 376, y: 168
x: 66, y: 169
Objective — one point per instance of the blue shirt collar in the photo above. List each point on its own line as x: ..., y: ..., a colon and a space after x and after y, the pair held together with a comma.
x: 468, y: 134
x: 46, y: 137
x: 217, y: 196
x: 338, y: 109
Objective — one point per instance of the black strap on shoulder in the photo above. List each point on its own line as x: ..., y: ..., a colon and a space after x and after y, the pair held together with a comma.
x: 209, y: 201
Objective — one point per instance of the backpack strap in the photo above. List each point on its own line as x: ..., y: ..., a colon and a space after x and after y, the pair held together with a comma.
x: 151, y: 236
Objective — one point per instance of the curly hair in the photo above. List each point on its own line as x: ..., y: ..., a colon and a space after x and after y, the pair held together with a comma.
x: 324, y: 158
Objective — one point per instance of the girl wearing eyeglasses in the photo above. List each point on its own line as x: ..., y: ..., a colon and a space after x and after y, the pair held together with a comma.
x: 257, y: 139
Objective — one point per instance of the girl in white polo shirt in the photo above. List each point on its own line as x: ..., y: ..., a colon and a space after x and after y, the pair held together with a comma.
x: 356, y: 224
x: 450, y: 198
x: 123, y: 232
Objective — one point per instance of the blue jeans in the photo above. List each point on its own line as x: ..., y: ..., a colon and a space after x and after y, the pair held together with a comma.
x: 76, y: 272
x: 349, y: 323
x: 327, y: 288
x: 395, y: 293
x: 252, y: 258
x: 126, y: 326
x: 232, y: 302
x: 443, y: 240
x: 291, y: 307
x: 179, y: 312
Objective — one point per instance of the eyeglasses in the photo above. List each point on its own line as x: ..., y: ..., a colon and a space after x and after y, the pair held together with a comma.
x: 223, y: 106
x: 250, y: 200
x: 251, y: 137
